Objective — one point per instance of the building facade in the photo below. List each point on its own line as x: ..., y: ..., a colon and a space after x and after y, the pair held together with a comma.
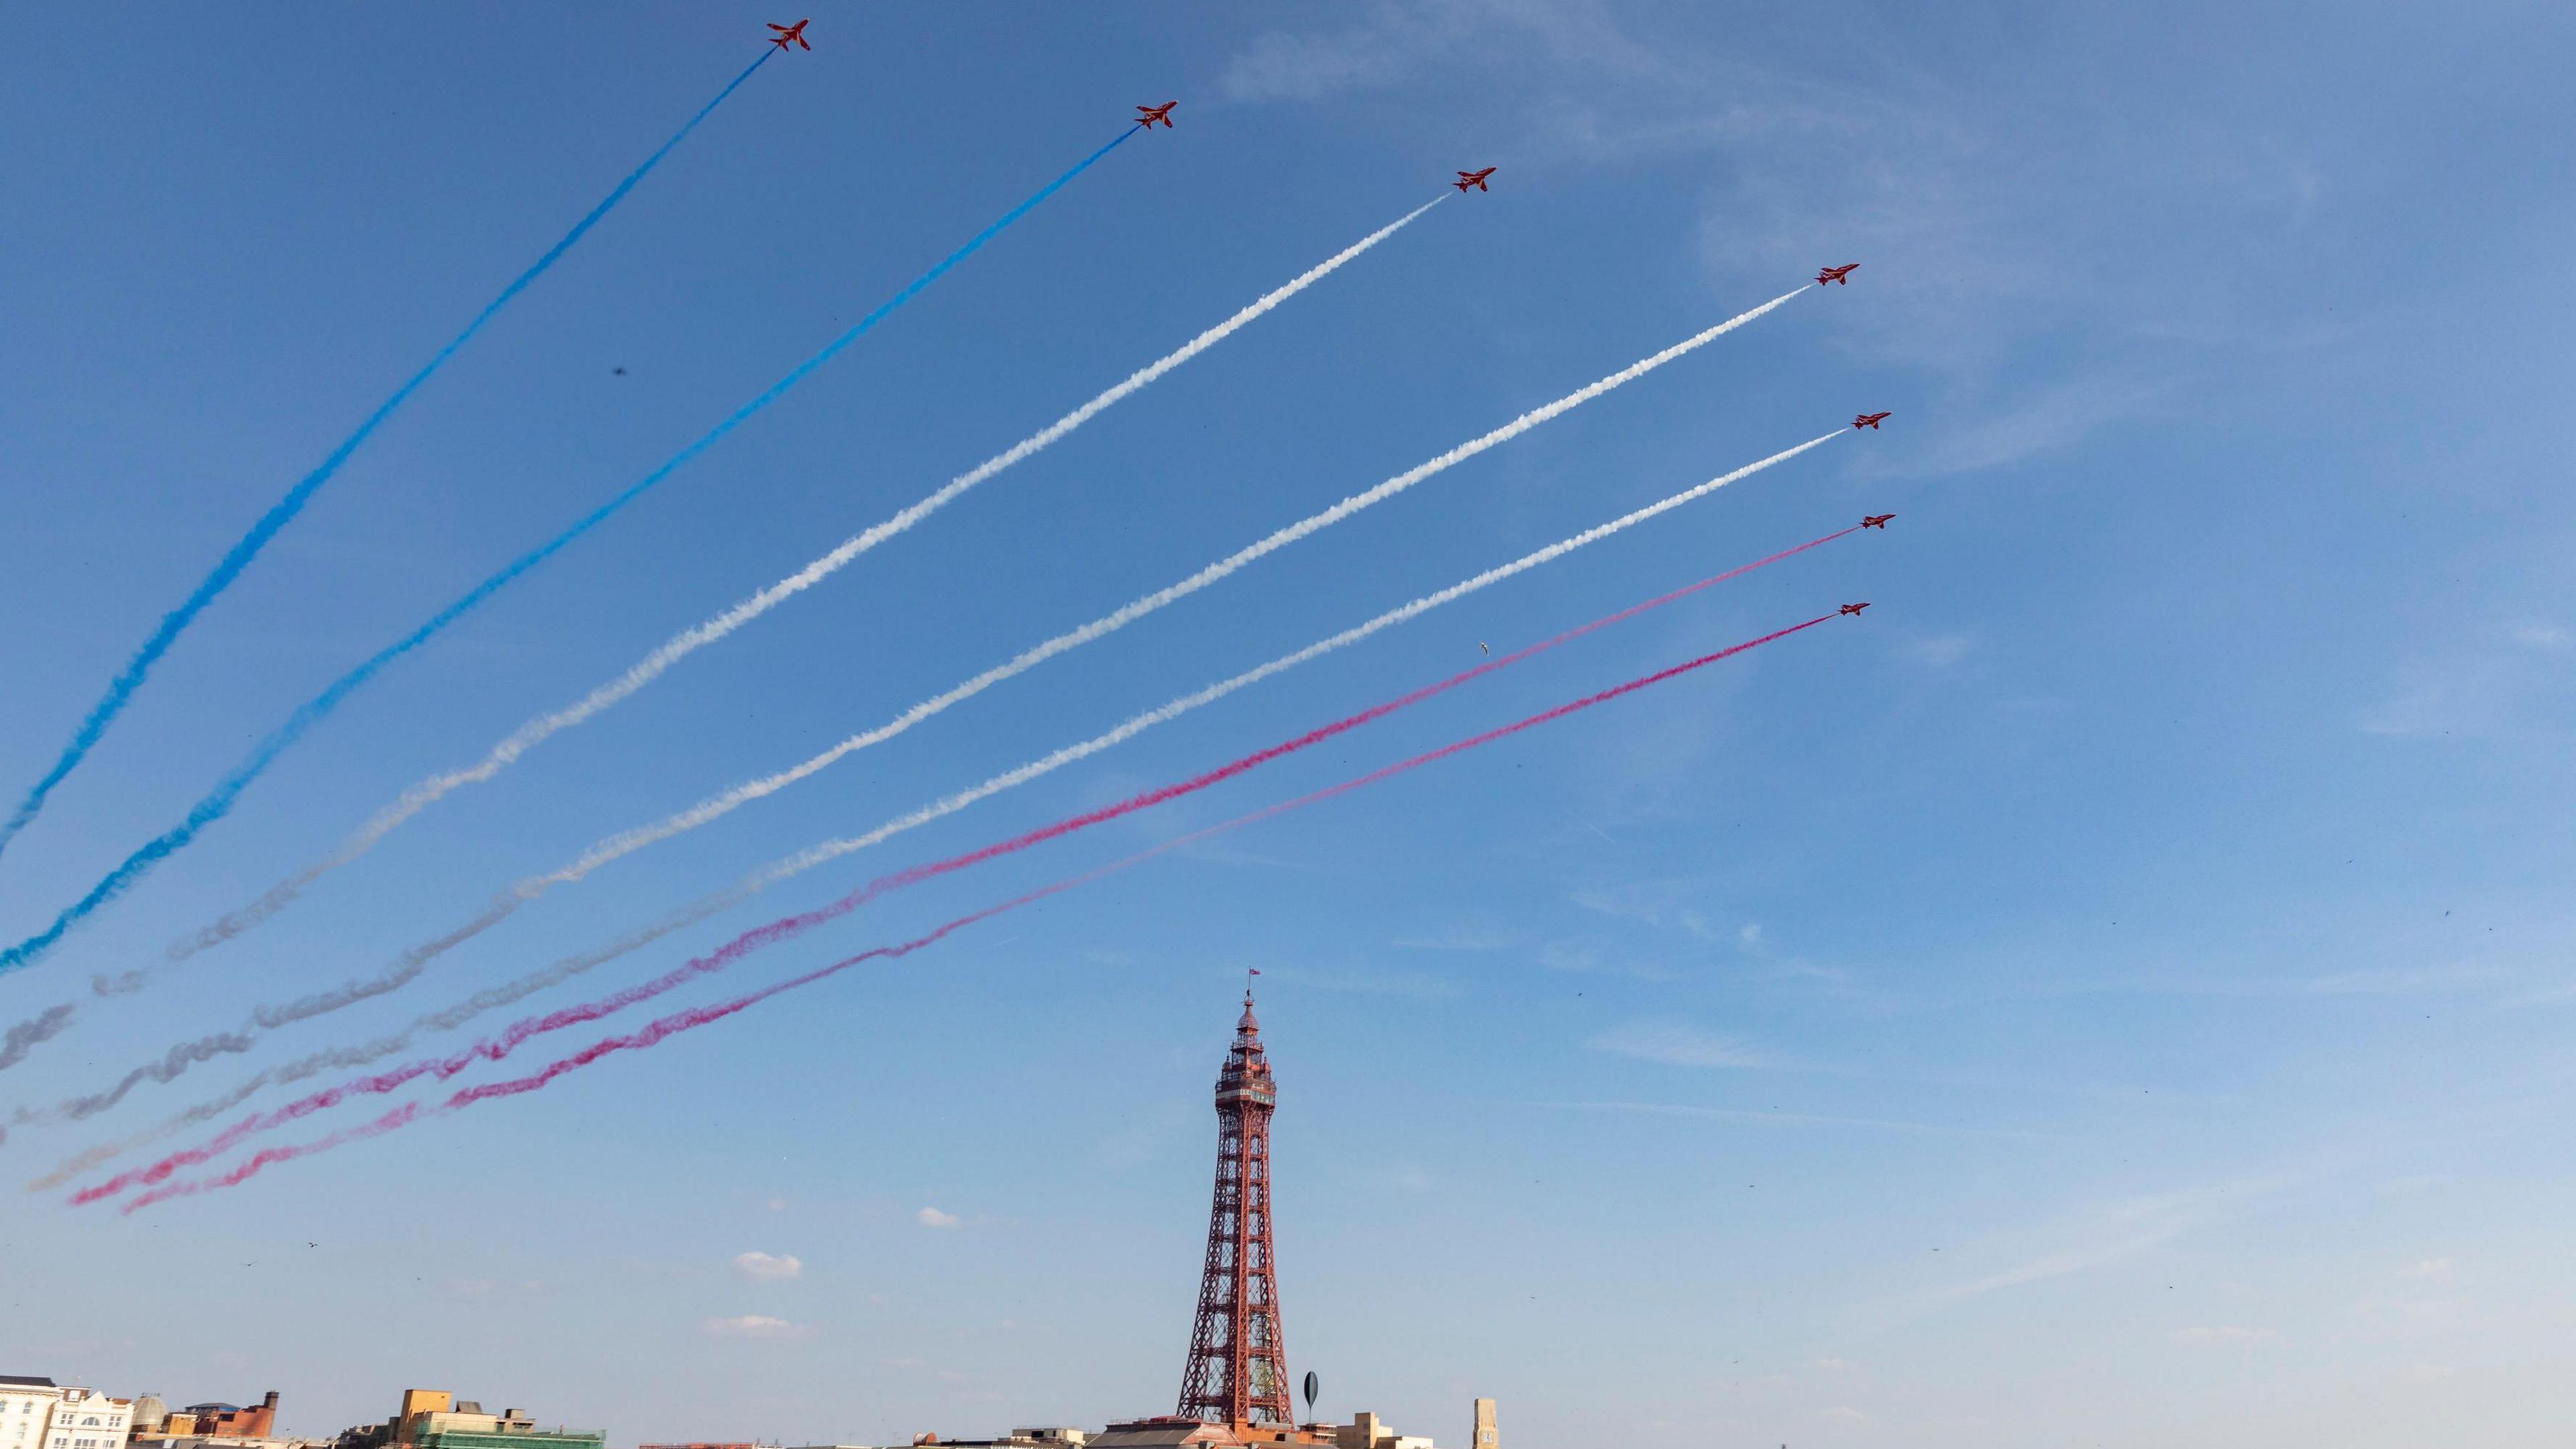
x: 37, y: 1413
x: 26, y: 1410
x: 88, y: 1419
x: 435, y: 1419
x: 231, y: 1421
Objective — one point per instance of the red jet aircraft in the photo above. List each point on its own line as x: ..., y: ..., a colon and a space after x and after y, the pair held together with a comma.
x: 791, y: 34
x: 1475, y: 179
x: 1854, y: 608
x: 1146, y: 116
x: 1870, y: 420
x: 1877, y: 521
x: 1840, y: 274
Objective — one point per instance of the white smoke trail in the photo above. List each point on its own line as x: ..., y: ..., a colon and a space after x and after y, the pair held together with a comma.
x: 951, y: 804
x: 359, y: 1054
x: 715, y: 806
x: 651, y: 667
x: 412, y: 962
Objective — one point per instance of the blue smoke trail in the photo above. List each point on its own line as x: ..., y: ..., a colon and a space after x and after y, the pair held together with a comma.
x: 219, y: 801
x: 283, y: 512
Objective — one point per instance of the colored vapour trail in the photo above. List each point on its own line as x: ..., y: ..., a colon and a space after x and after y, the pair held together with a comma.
x: 122, y: 689
x: 186, y: 1054
x: 651, y: 667
x: 717, y: 806
x: 219, y: 801
x: 1046, y: 764
x: 366, y: 1052
x: 409, y: 965
x: 518, y: 1033
x: 689, y: 1020
x: 507, y: 902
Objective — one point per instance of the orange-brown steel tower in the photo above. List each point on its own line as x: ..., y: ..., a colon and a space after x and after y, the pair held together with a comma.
x: 1238, y: 1369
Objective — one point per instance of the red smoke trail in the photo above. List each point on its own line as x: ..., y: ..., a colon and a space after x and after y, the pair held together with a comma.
x: 401, y: 1116
x: 511, y: 1037
x: 680, y: 1021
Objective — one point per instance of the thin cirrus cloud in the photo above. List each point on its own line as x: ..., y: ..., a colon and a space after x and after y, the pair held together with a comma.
x: 751, y: 1325
x: 2225, y: 1334
x: 767, y: 1267
x: 931, y: 1217
x: 1677, y: 1044
x: 1460, y: 936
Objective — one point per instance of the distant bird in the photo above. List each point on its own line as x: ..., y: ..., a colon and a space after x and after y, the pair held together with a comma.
x: 1481, y: 644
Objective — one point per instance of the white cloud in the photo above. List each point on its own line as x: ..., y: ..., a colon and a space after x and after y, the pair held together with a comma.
x: 1572, y: 956
x: 2482, y: 687
x: 2418, y: 1318
x: 1148, y: 1133
x: 2430, y: 1373
x: 1939, y: 651
x: 1417, y: 985
x: 1403, y: 1177
x: 2403, y: 981
x: 1833, y: 1363
x: 2464, y: 976
x: 767, y: 1268
x: 1391, y: 42
x: 1846, y: 1413
x: 1658, y: 903
x: 1461, y: 936
x: 931, y: 1217
x: 2436, y: 1270
x: 2225, y: 1335
x: 751, y: 1325
x: 1678, y: 1044
x: 2110, y: 1233
x: 1283, y: 67
x: 1777, y: 1118
x: 2047, y: 420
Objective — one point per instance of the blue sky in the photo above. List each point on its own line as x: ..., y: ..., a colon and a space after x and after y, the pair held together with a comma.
x: 2115, y: 993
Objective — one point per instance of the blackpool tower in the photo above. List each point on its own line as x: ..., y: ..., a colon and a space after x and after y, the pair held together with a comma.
x: 1238, y: 1369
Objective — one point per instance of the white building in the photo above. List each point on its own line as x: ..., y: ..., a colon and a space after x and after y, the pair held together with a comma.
x: 88, y: 1419
x: 40, y: 1414
x: 26, y: 1410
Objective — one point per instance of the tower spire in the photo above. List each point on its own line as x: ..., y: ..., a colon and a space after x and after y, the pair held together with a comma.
x: 1238, y: 1368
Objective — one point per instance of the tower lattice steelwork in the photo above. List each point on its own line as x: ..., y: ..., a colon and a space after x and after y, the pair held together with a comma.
x: 1238, y: 1369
